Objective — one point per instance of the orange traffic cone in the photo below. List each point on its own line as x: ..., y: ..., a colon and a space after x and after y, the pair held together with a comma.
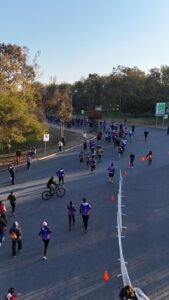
x: 106, y: 276
x: 113, y: 198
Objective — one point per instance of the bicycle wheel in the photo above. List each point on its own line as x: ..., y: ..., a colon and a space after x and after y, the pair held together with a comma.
x: 46, y: 195
x: 60, y: 192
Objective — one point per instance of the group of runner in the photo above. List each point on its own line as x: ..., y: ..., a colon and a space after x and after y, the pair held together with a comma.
x: 91, y: 154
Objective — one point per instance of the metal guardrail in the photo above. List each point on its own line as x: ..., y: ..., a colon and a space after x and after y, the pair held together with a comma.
x: 124, y: 273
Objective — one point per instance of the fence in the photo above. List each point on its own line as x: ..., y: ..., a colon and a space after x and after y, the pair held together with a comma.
x: 124, y: 272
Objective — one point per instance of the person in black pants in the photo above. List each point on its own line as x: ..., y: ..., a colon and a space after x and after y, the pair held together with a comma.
x: 132, y: 158
x: 12, y: 199
x: 71, y: 213
x: 45, y: 232
x: 16, y: 237
x: 84, y: 210
x: 11, y: 170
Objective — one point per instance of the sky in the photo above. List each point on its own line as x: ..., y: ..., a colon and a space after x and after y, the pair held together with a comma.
x: 78, y: 37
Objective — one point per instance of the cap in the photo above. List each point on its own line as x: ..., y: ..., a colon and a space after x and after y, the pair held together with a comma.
x: 45, y: 223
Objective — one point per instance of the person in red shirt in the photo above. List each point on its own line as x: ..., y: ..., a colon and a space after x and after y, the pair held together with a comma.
x: 12, y: 294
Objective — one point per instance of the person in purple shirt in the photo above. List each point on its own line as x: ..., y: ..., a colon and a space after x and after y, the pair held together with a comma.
x: 111, y: 170
x: 45, y: 232
x: 61, y: 174
x: 71, y: 214
x: 85, y: 208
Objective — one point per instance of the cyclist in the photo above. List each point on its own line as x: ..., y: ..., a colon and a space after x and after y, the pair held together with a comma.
x: 61, y: 174
x: 51, y: 182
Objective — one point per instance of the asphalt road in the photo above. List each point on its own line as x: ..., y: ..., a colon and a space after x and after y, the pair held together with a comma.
x: 76, y: 261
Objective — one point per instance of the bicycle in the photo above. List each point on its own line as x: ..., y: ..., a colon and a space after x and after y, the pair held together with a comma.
x: 58, y: 190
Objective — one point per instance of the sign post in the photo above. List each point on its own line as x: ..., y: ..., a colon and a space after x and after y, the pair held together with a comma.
x: 45, y: 139
x: 162, y: 110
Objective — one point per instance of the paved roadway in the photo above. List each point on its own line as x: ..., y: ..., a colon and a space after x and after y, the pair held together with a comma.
x: 76, y: 261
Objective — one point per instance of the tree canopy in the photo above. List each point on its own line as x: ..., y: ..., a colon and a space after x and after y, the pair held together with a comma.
x: 20, y: 118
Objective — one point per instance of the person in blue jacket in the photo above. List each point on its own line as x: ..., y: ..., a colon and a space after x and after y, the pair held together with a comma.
x: 61, y: 174
x: 45, y: 233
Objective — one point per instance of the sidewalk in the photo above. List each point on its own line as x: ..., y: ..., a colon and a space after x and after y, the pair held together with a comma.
x: 52, y: 151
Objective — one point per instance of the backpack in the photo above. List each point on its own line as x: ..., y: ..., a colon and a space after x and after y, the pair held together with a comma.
x: 13, y: 236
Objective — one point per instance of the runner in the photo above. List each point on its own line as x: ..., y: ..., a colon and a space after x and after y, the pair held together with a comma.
x: 85, y: 208
x: 99, y: 153
x: 111, y: 171
x: 3, y: 225
x: 81, y: 157
x: 71, y: 214
x: 92, y: 165
x: 45, y: 232
x: 61, y: 174
x: 132, y: 158
x: 149, y: 157
x: 145, y: 135
x: 16, y: 237
x: 12, y: 199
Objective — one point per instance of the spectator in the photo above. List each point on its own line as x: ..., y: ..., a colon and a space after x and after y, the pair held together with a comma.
x: 29, y: 161
x: 60, y: 144
x: 18, y: 156
x: 128, y: 293
x: 12, y: 294
x: 63, y: 141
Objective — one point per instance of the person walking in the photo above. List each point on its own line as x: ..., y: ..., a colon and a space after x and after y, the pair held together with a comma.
x: 85, y: 208
x: 61, y: 174
x: 12, y: 199
x: 71, y: 214
x: 132, y: 158
x: 29, y: 161
x: 18, y: 156
x: 45, y: 232
x: 11, y: 170
x: 16, y: 238
x: 60, y: 144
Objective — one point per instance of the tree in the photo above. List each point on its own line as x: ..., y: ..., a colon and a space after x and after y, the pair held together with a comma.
x: 18, y: 95
x: 15, y: 72
x: 17, y: 122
